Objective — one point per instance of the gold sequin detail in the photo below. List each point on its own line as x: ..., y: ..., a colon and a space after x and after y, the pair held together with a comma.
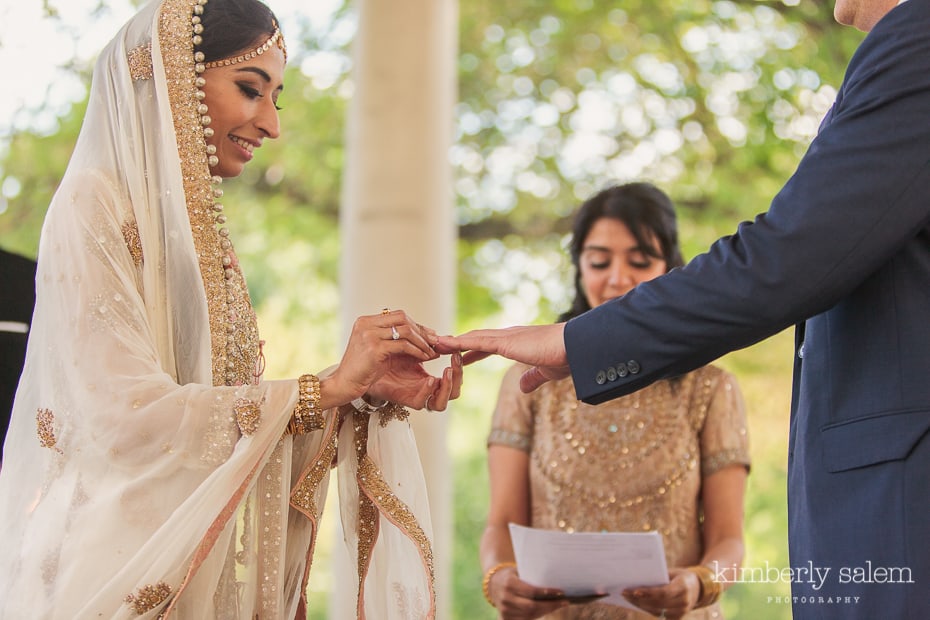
x: 391, y: 412
x: 148, y: 597
x: 307, y: 416
x: 376, y: 496
x: 368, y: 522
x: 233, y: 331
x: 512, y: 439
x: 133, y: 242
x: 248, y: 415
x: 45, y: 428
x: 140, y: 62
x: 715, y: 462
x: 632, y: 464
x: 303, y: 497
x: 372, y: 483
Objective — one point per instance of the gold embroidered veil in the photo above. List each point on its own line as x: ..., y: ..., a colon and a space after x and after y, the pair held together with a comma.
x: 130, y: 487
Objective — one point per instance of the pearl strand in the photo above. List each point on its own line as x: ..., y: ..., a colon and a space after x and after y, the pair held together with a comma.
x: 219, y: 218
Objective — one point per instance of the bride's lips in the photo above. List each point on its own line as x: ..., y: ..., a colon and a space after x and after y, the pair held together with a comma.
x: 246, y: 147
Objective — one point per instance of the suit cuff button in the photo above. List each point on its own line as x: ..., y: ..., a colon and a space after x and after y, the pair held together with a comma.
x: 601, y: 377
x: 611, y: 374
x: 633, y: 365
x: 622, y: 370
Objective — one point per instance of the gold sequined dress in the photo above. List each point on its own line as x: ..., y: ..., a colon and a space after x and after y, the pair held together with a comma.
x: 634, y: 463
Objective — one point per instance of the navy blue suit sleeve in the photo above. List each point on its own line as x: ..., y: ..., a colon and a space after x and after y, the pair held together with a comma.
x: 861, y: 192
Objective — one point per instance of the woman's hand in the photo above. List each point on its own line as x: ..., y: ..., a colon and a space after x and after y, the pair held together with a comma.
x: 407, y: 383
x: 384, y: 357
x: 518, y: 600
x: 672, y: 600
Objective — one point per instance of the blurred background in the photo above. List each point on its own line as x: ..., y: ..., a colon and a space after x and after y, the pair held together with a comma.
x: 713, y: 101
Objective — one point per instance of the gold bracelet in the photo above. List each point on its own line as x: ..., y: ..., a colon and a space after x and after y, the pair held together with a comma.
x: 486, y: 582
x: 307, y: 416
x: 710, y: 587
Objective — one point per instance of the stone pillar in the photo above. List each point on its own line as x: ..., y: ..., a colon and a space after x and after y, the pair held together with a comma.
x: 397, y: 220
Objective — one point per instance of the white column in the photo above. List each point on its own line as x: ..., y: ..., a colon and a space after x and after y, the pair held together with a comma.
x: 397, y: 221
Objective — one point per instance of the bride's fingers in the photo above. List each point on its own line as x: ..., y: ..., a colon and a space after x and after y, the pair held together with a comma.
x: 438, y: 400
x: 397, y: 326
x: 450, y: 386
x: 428, y: 333
x: 470, y: 357
x: 458, y: 373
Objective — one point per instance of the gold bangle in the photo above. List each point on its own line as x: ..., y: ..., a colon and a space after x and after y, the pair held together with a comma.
x: 486, y: 582
x: 307, y: 416
x: 710, y: 587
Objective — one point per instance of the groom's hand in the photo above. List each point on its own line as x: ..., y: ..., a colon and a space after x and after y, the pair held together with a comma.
x: 540, y: 346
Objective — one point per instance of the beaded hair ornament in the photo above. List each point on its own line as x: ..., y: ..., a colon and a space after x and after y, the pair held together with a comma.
x: 276, y: 38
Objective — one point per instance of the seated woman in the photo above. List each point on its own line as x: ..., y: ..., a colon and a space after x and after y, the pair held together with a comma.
x: 672, y: 457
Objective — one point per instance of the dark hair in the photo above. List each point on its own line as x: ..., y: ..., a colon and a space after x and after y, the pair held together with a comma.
x: 234, y: 26
x: 645, y: 209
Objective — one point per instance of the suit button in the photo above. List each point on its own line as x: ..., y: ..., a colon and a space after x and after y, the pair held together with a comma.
x: 622, y: 370
x: 611, y: 374
x: 633, y: 365
x: 801, y: 351
x: 601, y: 377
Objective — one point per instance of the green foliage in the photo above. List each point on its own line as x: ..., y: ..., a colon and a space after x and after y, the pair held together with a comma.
x: 35, y: 163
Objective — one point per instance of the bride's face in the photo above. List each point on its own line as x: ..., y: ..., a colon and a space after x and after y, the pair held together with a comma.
x: 242, y: 101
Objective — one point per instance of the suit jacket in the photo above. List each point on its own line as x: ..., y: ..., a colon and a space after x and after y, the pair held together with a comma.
x: 17, y: 299
x: 844, y: 253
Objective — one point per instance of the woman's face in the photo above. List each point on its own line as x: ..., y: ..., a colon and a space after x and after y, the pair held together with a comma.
x: 612, y: 262
x: 242, y: 101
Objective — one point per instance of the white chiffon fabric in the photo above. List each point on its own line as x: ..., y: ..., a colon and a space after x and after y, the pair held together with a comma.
x: 130, y: 487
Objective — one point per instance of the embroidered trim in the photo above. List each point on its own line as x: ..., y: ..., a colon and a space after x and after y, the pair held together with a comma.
x: 133, y: 241
x: 376, y: 497
x: 503, y: 437
x: 248, y: 415
x: 713, y: 463
x: 140, y: 62
x: 391, y: 412
x: 45, y: 429
x: 148, y: 597
x: 175, y: 33
x: 303, y: 497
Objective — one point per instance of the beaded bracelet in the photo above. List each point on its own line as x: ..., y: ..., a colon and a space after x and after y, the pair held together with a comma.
x: 710, y: 587
x: 486, y: 582
x: 307, y: 416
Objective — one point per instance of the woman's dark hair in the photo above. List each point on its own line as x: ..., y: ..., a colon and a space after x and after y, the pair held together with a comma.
x: 645, y: 209
x: 234, y: 26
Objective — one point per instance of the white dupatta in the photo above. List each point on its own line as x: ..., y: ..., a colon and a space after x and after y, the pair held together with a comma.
x: 146, y: 472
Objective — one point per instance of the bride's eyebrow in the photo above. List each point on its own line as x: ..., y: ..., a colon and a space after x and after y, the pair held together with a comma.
x: 260, y: 73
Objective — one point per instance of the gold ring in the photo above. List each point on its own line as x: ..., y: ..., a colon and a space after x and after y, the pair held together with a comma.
x: 426, y: 404
x: 385, y: 310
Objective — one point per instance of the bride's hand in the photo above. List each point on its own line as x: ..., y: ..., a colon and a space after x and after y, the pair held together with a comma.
x: 379, y: 344
x: 407, y: 383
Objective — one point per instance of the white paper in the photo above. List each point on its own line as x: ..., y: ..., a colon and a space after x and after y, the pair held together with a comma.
x: 589, y: 562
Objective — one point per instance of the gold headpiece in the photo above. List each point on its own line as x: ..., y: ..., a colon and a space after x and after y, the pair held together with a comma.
x: 276, y: 38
